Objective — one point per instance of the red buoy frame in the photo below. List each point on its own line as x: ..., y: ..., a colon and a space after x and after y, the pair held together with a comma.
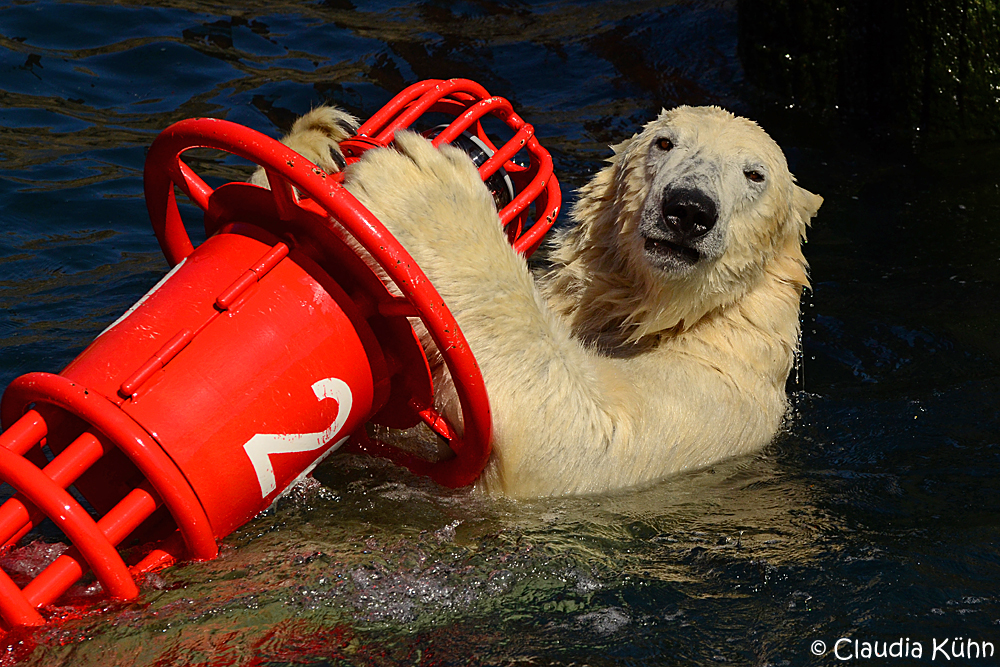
x: 261, y: 351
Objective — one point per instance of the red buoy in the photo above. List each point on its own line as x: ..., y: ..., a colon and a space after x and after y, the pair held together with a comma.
x: 259, y: 353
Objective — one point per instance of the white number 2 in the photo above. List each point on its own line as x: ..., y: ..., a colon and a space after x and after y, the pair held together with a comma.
x: 260, y: 447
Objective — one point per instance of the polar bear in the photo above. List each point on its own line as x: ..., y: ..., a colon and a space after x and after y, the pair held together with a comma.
x: 660, y: 339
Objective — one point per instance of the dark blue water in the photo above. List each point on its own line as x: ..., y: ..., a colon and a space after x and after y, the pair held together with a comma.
x: 874, y: 516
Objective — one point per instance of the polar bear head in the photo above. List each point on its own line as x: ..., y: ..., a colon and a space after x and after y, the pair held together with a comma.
x: 690, y: 216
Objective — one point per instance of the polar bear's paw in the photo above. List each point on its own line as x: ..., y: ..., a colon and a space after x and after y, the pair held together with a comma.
x: 446, y: 164
x: 425, y: 196
x: 316, y: 136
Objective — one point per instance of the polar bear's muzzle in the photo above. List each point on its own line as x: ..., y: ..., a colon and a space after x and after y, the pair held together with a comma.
x: 677, y: 232
x: 688, y: 214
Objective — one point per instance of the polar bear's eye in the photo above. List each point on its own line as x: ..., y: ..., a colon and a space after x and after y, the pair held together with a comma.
x: 664, y: 144
x: 754, y: 175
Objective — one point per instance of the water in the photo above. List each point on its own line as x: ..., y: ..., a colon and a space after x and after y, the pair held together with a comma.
x: 873, y: 516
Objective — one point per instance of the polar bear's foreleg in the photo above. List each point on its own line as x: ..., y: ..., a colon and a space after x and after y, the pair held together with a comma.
x: 546, y: 391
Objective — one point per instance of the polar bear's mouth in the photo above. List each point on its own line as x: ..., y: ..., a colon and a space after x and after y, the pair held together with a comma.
x: 664, y: 251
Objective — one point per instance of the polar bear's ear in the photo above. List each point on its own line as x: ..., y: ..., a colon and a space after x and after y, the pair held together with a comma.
x: 804, y: 206
x: 619, y: 149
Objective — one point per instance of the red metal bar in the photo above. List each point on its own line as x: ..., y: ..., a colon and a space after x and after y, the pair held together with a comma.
x: 501, y: 156
x: 161, y: 200
x: 18, y: 516
x: 531, y: 192
x: 284, y: 196
x: 56, y: 579
x: 192, y: 185
x: 528, y: 242
x: 14, y: 607
x: 73, y: 461
x: 418, y: 108
x: 437, y: 423
x: 129, y: 513
x: 163, y: 555
x: 390, y: 110
x: 381, y: 118
x: 496, y: 105
x: 25, y: 433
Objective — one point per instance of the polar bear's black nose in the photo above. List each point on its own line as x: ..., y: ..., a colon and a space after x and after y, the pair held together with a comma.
x: 688, y: 212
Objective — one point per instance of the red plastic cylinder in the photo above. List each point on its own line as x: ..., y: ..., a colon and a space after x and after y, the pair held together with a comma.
x: 264, y: 384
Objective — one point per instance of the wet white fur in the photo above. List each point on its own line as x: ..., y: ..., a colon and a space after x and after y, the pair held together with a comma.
x: 608, y: 372
x: 316, y: 136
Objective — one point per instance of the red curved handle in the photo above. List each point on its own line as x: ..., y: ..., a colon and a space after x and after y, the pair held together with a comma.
x: 286, y: 168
